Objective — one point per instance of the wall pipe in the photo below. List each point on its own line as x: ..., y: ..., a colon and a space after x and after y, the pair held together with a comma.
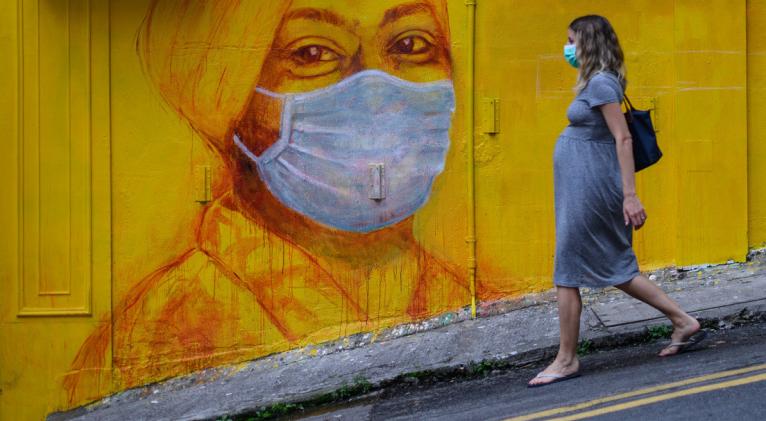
x: 470, y: 120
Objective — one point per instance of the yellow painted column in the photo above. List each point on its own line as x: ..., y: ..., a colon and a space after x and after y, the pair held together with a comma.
x: 9, y: 210
x: 711, y: 130
x: 756, y: 119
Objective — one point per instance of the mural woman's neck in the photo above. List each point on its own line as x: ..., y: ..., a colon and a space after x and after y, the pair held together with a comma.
x: 346, y: 248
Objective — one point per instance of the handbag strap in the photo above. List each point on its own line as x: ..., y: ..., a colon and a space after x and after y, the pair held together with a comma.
x: 628, y: 104
x: 628, y: 108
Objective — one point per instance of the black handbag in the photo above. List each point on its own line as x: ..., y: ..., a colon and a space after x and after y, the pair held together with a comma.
x: 645, y: 149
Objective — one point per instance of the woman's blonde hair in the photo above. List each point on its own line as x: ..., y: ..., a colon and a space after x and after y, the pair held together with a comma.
x: 598, y: 49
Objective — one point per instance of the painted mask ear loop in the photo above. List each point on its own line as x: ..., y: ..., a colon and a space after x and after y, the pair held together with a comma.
x: 281, y: 143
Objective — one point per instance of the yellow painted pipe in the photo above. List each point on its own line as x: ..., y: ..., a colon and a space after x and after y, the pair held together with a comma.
x: 471, y: 238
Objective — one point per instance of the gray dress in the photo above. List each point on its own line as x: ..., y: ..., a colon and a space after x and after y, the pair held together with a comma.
x: 593, y: 244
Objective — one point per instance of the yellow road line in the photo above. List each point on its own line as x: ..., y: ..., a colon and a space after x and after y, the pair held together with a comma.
x: 583, y: 405
x: 667, y: 396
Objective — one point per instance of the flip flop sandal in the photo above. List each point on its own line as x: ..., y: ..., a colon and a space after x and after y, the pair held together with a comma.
x: 689, y: 344
x: 556, y: 378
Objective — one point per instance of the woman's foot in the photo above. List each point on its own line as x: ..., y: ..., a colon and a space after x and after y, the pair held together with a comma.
x: 560, y: 367
x: 681, y: 333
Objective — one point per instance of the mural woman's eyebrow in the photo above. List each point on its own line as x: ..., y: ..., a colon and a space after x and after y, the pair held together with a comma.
x: 406, y: 9
x: 319, y: 15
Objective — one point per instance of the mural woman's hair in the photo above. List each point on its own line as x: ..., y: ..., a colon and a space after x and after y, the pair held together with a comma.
x: 205, y: 57
x: 598, y: 49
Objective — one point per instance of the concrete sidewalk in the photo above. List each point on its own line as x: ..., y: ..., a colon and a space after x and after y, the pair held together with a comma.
x: 507, y: 334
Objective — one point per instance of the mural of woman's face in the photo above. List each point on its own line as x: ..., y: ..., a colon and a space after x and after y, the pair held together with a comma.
x: 320, y: 43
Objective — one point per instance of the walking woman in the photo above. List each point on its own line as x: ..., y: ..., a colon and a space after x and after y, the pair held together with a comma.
x: 596, y: 203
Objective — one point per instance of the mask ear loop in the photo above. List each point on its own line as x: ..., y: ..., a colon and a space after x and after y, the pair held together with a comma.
x: 242, y: 147
x: 268, y: 93
x: 281, y: 143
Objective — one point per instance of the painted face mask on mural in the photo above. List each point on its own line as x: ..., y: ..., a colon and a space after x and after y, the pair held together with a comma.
x: 570, y: 54
x: 332, y: 139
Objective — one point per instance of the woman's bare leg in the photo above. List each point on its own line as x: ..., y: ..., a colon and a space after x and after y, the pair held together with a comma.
x: 570, y: 307
x: 645, y: 290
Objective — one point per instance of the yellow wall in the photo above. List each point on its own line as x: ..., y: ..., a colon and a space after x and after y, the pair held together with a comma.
x: 115, y: 204
x: 693, y: 77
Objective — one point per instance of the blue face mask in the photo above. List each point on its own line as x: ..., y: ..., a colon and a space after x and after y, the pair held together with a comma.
x: 361, y: 154
x: 570, y: 53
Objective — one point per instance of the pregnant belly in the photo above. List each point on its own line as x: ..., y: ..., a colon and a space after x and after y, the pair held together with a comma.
x: 561, y: 153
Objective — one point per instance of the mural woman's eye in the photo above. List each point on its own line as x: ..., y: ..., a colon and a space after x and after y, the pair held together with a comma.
x: 417, y: 47
x: 313, y: 57
x: 311, y: 54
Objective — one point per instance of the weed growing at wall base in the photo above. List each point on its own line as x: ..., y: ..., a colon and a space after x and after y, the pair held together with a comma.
x: 659, y: 332
x: 585, y: 347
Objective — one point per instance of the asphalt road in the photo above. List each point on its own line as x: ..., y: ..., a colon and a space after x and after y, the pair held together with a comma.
x: 724, y: 380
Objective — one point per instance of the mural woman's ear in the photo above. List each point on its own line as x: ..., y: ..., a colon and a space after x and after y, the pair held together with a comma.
x: 205, y: 57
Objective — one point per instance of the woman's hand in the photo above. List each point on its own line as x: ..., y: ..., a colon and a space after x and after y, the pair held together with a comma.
x: 633, y: 211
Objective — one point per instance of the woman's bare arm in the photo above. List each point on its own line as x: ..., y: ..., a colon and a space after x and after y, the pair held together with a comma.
x: 632, y: 209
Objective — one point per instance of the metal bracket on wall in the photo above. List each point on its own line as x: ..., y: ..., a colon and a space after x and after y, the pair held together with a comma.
x: 377, y: 181
x: 203, y: 191
x: 655, y: 119
x: 490, y: 115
